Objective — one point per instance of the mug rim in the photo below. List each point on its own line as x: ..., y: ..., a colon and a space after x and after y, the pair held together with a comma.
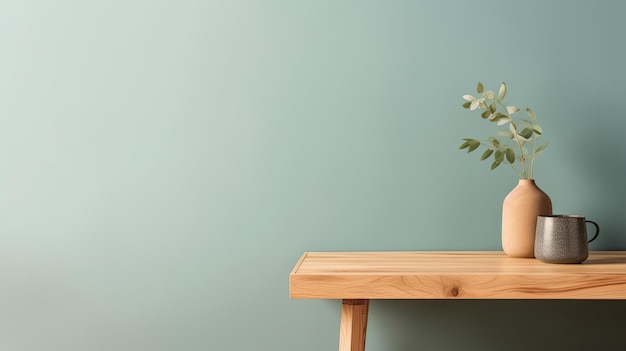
x: 562, y: 216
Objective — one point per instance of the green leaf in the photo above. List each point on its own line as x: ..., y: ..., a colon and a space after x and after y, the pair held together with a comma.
x: 512, y: 109
x: 531, y: 114
x: 474, y: 105
x: 474, y: 144
x: 503, y: 121
x: 502, y: 91
x: 500, y: 118
x: 470, y: 144
x: 497, y: 117
x: 495, y: 164
x: 479, y: 88
x: 467, y: 104
x: 492, y: 108
x: 485, y: 114
x: 510, y: 155
x: 537, y: 129
x: 469, y: 97
x: 486, y: 154
x: 494, y: 142
x: 526, y: 133
x: 498, y: 156
x: 541, y: 148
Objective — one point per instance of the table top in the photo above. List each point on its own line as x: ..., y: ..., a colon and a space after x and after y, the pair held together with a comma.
x: 455, y: 275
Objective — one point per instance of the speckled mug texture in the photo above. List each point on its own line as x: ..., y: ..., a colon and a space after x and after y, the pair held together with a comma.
x: 562, y: 238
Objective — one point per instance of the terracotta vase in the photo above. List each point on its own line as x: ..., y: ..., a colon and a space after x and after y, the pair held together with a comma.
x: 519, y: 218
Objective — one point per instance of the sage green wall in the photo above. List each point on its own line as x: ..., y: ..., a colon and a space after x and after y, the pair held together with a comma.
x: 165, y: 163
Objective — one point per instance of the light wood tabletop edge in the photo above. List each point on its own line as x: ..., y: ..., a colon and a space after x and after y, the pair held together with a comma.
x: 605, y: 285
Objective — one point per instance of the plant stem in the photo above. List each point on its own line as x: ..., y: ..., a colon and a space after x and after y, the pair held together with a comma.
x: 522, y: 157
x: 532, y: 159
x: 519, y: 143
x: 521, y: 149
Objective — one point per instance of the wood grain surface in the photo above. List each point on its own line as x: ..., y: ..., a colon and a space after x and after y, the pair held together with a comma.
x: 455, y: 275
x: 353, y: 327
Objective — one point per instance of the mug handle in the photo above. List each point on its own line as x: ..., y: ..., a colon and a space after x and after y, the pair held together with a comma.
x: 597, y: 230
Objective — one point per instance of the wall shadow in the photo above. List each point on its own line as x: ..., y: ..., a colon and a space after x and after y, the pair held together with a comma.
x: 441, y: 325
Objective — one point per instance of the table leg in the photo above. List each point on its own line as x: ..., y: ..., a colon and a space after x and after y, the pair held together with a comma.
x: 353, y: 325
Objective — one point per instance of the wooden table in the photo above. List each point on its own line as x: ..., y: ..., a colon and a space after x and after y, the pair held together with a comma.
x: 357, y: 277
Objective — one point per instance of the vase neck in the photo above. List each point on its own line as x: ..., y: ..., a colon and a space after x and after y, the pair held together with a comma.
x: 523, y: 182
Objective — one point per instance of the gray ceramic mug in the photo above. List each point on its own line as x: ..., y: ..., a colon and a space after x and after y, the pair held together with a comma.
x: 563, y: 238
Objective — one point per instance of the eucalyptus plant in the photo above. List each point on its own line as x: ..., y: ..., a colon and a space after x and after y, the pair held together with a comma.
x: 515, y: 141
